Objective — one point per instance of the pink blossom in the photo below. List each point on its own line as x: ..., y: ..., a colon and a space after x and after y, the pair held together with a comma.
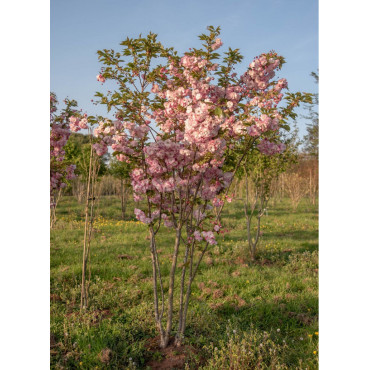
x: 74, y: 124
x: 198, y: 236
x: 83, y: 123
x: 209, y: 237
x: 228, y: 199
x: 270, y: 148
x: 140, y: 215
x: 217, y: 202
x: 217, y: 44
x: 100, y: 78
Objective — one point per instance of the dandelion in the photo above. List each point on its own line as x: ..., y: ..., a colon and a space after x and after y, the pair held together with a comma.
x: 314, y: 352
x: 278, y: 330
x: 300, y: 338
x: 316, y: 333
x: 310, y: 335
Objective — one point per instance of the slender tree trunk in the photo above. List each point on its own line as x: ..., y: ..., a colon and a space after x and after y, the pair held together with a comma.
x: 182, y: 324
x: 123, y: 198
x: 252, y: 243
x: 53, y: 218
x: 181, y: 310
x: 85, y: 255
x: 180, y: 333
x: 248, y: 219
x: 155, y: 265
x: 171, y: 287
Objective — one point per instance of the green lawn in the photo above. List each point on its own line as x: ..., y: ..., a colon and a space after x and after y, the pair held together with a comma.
x: 243, y: 314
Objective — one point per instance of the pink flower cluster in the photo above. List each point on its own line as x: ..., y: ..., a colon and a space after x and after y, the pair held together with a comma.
x: 217, y: 44
x: 270, y: 148
x: 208, y: 236
x: 140, y: 215
x: 261, y: 71
x: 217, y: 202
x: 100, y: 78
x: 76, y: 124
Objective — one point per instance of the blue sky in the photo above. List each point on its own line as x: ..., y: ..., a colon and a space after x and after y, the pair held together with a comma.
x: 81, y: 27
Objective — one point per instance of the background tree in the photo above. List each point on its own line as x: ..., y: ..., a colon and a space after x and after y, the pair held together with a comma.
x: 260, y: 171
x: 121, y: 170
x: 61, y: 168
x: 89, y: 163
x: 311, y: 140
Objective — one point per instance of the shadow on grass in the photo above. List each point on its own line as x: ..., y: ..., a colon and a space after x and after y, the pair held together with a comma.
x: 287, y: 314
x: 299, y: 235
x: 237, y: 211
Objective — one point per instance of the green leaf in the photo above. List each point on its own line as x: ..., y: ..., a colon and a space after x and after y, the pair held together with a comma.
x: 218, y: 112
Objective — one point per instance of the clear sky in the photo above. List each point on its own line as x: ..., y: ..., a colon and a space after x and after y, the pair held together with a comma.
x: 81, y: 27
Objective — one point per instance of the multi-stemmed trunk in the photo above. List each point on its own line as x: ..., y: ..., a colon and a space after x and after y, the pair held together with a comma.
x: 171, y: 287
x: 184, y: 298
x: 164, y: 332
x: 184, y: 304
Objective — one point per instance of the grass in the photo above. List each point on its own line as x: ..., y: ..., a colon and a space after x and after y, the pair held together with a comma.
x: 261, y: 314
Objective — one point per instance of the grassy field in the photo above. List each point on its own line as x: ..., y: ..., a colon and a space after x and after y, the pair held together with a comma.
x: 242, y: 315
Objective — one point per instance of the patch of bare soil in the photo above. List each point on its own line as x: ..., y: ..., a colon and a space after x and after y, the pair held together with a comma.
x: 264, y: 262
x: 125, y: 257
x: 105, y: 355
x: 53, y: 345
x: 171, y: 357
x: 240, y: 260
x: 305, y: 319
x: 53, y: 341
x: 55, y: 298
x: 94, y: 317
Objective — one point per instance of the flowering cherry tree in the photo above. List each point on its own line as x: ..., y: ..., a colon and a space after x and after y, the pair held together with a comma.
x: 180, y: 125
x: 60, y: 170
